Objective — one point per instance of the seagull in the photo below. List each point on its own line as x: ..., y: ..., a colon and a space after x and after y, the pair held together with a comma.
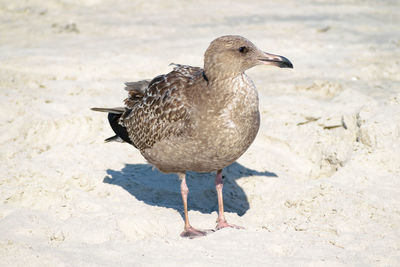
x: 196, y: 119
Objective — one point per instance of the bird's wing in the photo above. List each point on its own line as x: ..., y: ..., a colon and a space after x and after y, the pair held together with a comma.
x: 160, y: 110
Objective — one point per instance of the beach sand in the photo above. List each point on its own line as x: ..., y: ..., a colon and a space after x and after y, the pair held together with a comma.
x: 320, y: 186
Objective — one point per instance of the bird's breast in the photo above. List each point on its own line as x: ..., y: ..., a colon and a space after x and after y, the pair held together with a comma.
x: 222, y: 129
x: 235, y: 125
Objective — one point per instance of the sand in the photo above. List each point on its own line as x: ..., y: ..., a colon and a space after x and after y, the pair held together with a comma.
x: 320, y: 186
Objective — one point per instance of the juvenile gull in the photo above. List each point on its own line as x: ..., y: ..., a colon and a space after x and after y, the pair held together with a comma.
x: 195, y: 119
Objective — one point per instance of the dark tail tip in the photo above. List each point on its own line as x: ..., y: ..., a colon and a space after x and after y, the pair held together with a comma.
x: 118, y: 128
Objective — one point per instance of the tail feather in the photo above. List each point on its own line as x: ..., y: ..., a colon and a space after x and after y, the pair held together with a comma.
x: 120, y: 130
x: 114, y: 115
x: 114, y: 138
x: 118, y: 110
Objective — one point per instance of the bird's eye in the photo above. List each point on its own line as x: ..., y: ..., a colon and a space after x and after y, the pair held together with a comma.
x: 243, y: 49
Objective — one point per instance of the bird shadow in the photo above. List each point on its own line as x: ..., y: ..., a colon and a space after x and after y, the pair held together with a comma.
x: 154, y: 188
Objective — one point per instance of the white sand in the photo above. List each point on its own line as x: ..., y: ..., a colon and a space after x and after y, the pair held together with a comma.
x: 308, y: 191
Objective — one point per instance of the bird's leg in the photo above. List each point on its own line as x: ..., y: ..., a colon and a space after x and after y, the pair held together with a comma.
x: 221, y: 221
x: 188, y: 231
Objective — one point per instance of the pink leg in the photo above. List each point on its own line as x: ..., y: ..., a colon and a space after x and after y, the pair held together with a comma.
x: 188, y: 231
x: 221, y: 221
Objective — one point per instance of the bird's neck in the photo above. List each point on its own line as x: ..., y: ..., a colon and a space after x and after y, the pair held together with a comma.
x: 226, y: 88
x: 221, y: 81
x: 215, y: 71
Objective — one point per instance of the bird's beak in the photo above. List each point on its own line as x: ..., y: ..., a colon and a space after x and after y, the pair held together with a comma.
x: 275, y: 60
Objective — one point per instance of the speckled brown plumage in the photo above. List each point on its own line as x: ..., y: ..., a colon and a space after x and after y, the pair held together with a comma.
x: 161, y: 110
x: 195, y: 119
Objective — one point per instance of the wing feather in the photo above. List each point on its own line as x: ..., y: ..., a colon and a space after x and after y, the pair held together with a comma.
x: 159, y: 110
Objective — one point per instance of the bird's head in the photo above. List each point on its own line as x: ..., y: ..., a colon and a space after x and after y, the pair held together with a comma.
x: 231, y: 55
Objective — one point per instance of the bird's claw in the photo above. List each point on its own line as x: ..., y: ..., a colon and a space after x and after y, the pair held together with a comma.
x: 191, y: 232
x: 224, y: 224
